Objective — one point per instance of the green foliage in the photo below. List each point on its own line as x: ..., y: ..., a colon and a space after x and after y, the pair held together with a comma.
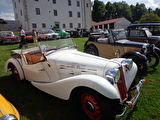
x: 137, y: 11
x: 150, y: 18
x: 98, y: 12
x: 102, y: 12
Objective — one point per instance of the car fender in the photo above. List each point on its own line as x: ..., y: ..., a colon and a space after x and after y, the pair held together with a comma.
x: 63, y: 88
x: 131, y: 53
x: 13, y: 61
x: 157, y: 50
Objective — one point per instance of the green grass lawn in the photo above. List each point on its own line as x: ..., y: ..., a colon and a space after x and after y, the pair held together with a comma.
x: 34, y: 104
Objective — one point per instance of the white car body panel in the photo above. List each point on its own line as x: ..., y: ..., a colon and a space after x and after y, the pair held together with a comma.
x: 63, y: 88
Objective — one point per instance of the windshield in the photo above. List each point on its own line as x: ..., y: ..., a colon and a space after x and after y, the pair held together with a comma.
x: 148, y: 33
x: 6, y: 33
x: 50, y: 31
x: 60, y: 30
x: 47, y: 47
x: 119, y: 35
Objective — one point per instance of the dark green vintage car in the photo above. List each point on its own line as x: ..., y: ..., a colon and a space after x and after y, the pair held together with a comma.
x: 115, y: 45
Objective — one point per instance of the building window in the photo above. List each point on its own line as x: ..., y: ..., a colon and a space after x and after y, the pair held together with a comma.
x: 36, y: 0
x: 79, y: 25
x: 21, y: 12
x: 16, y: 16
x: 54, y: 1
x: 78, y: 4
x: 15, y: 6
x: 78, y: 14
x: 55, y: 13
x: 87, y: 5
x: 71, y: 25
x: 69, y: 2
x: 34, y: 25
x: 64, y: 25
x: 70, y: 13
x: 37, y: 11
x: 43, y: 25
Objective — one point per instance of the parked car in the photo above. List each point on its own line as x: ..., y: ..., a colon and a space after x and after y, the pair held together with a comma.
x: 62, y: 32
x: 143, y: 35
x: 86, y: 32
x: 116, y: 45
x: 8, y: 37
x: 73, y: 33
x: 7, y: 110
x: 48, y: 35
x: 154, y: 28
x: 29, y: 36
x: 101, y: 86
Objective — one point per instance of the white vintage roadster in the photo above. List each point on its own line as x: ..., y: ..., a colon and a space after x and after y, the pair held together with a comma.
x: 56, y: 67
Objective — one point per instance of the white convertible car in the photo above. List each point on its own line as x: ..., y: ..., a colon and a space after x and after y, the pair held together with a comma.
x: 102, y: 86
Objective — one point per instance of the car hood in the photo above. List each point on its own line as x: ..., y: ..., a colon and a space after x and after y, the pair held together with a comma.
x: 73, y: 62
x: 130, y: 43
x: 154, y: 37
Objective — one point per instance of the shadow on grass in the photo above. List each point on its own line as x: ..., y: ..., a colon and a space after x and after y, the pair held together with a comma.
x: 34, y: 104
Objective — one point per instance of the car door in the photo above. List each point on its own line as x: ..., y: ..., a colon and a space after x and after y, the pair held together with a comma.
x: 32, y: 64
x: 137, y: 35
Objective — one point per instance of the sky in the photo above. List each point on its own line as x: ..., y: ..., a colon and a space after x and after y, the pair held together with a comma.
x: 6, y: 7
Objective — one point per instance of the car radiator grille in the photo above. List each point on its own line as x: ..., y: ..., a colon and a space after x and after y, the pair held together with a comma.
x: 122, y: 86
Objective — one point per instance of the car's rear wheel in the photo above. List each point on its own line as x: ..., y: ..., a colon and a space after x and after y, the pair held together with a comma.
x: 15, y: 73
x: 91, y: 50
x: 95, y: 106
x: 153, y: 59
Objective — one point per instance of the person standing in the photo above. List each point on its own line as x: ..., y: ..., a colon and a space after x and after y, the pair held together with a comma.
x: 22, y: 38
x: 34, y: 34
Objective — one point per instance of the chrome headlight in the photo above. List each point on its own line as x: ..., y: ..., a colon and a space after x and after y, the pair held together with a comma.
x: 144, y: 49
x: 113, y: 75
x: 128, y: 63
x: 152, y: 47
x: 8, y: 117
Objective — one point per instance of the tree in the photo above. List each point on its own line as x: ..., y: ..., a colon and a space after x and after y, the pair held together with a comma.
x: 122, y: 10
x: 150, y: 18
x: 138, y: 11
x: 110, y: 11
x: 98, y: 12
x: 157, y: 11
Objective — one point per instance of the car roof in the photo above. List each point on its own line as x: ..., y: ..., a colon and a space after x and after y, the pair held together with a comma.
x: 145, y: 24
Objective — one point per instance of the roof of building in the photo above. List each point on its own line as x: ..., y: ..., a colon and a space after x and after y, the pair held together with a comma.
x: 106, y: 22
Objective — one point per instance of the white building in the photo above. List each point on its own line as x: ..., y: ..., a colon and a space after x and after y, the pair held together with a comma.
x: 118, y: 23
x: 46, y: 14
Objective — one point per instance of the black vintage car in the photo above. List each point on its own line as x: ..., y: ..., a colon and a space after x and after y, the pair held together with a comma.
x: 115, y: 45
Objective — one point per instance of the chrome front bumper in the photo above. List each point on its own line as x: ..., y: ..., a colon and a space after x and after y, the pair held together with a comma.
x: 131, y: 103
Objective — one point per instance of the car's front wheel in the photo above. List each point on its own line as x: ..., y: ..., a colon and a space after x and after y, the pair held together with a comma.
x: 95, y: 106
x: 15, y: 73
x: 153, y: 59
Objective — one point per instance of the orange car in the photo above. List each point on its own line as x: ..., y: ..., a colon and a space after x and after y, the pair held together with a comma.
x: 7, y: 110
x: 29, y: 36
